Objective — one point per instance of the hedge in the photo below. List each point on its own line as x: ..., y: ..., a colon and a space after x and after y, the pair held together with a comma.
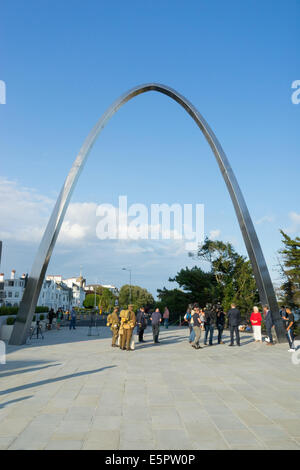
x: 8, y: 310
x: 14, y: 310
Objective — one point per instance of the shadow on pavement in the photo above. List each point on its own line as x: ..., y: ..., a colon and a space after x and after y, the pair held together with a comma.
x: 56, y: 379
x: 30, y: 369
x: 162, y: 342
x: 13, y: 365
x: 63, y: 336
x: 16, y: 400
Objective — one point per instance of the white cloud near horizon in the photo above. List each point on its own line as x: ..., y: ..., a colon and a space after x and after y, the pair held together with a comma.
x: 25, y: 213
x: 214, y: 234
x: 294, y: 228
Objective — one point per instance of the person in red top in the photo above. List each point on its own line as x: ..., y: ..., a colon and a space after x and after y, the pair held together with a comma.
x: 255, y: 320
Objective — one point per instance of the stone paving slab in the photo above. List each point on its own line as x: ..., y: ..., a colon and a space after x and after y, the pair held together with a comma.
x: 73, y: 391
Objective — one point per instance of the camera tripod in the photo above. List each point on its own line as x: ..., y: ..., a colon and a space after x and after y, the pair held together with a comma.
x: 36, y: 331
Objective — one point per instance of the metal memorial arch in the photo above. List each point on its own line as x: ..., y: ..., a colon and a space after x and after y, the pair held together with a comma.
x: 36, y: 278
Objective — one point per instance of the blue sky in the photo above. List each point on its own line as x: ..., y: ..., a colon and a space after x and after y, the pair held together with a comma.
x: 64, y: 63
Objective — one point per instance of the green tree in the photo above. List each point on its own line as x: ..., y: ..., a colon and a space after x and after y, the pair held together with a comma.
x: 290, y: 269
x: 199, y: 285
x: 105, y: 299
x: 233, y: 274
x: 195, y: 286
x: 89, y: 301
x: 139, y: 297
x: 175, y: 299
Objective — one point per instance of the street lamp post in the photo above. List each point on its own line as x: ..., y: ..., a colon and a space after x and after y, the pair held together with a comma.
x: 129, y: 269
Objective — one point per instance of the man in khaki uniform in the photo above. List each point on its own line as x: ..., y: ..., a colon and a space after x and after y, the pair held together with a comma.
x: 127, y: 325
x: 114, y: 322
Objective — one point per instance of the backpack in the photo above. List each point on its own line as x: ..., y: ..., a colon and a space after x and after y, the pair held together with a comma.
x: 187, y: 317
x: 124, y: 315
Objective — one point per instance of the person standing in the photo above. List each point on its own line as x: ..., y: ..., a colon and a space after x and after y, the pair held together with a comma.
x: 141, y: 321
x: 255, y: 320
x: 50, y: 318
x: 269, y: 323
x: 189, y: 319
x: 59, y: 317
x: 197, y: 328
x: 128, y: 322
x: 73, y: 319
x: 166, y: 317
x: 234, y: 320
x: 290, y: 323
x: 156, y: 320
x: 114, y: 322
x: 209, y: 323
x: 220, y: 322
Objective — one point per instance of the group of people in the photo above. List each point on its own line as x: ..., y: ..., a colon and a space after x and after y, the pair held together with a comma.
x: 59, y: 316
x: 122, y: 325
x: 288, y: 319
x: 207, y: 319
x: 199, y: 320
x: 213, y: 317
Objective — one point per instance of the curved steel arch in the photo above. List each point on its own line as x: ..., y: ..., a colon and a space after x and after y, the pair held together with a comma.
x: 35, y: 280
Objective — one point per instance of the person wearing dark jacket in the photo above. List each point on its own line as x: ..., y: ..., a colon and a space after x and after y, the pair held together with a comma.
x: 51, y: 315
x: 196, y: 327
x: 269, y: 323
x: 141, y: 321
x: 290, y: 323
x: 209, y: 324
x: 220, y: 321
x: 234, y: 320
x: 156, y: 320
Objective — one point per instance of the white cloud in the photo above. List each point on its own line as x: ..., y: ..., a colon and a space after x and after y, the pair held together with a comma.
x: 265, y: 219
x: 294, y: 228
x: 79, y: 224
x: 214, y: 234
x: 25, y: 214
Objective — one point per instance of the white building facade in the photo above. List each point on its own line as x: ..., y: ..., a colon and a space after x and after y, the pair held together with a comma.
x: 77, y: 285
x: 56, y: 292
x: 12, y: 289
x: 55, y: 295
x: 113, y: 289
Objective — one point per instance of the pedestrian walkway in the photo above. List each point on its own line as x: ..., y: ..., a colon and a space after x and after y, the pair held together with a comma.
x: 74, y: 391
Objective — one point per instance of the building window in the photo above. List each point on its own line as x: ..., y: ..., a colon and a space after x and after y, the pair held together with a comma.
x: 10, y: 283
x: 9, y: 294
x: 17, y: 294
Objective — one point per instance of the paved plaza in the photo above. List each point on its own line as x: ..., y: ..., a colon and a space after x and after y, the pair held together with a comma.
x: 74, y: 391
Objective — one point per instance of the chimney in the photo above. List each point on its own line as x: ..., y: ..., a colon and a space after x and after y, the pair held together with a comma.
x: 13, y: 274
x: 1, y: 277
